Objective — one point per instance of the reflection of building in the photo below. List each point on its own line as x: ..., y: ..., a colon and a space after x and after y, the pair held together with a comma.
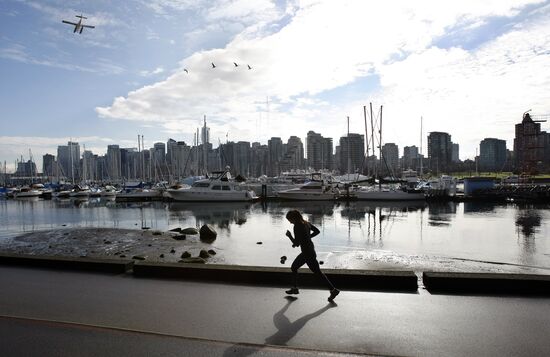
x: 531, y: 146
x: 439, y: 151
x: 492, y: 154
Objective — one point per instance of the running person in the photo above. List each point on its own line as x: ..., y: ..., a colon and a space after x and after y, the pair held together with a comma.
x: 303, y: 232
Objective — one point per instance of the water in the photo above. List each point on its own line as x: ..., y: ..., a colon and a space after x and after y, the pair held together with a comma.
x: 441, y: 236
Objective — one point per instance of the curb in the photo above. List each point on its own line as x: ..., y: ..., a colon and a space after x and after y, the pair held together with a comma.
x: 363, y: 280
x: 487, y: 283
x: 56, y: 262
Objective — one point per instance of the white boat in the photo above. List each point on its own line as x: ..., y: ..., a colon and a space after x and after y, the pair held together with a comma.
x: 218, y: 188
x: 27, y: 192
x: 140, y: 194
x: 80, y: 192
x: 311, y: 191
x: 108, y: 191
x: 388, y: 194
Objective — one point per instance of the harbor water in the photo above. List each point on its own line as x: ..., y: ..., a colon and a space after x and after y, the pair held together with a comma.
x: 466, y: 236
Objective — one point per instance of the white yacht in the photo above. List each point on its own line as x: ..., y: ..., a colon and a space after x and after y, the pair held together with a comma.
x: 27, y: 192
x: 108, y: 191
x: 311, y: 191
x: 80, y: 192
x: 218, y: 188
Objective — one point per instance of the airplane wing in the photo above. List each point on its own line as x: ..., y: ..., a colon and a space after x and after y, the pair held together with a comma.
x: 88, y: 26
x: 68, y: 22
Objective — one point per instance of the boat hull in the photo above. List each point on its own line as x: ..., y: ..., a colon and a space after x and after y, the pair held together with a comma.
x: 187, y: 195
x: 389, y: 196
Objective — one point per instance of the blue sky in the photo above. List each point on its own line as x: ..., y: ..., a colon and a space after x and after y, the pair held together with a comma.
x: 469, y: 68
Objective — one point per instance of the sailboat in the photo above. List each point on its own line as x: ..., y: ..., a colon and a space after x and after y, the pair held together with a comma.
x: 401, y: 193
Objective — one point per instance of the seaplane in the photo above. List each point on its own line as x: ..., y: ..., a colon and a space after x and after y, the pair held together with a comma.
x: 78, y: 26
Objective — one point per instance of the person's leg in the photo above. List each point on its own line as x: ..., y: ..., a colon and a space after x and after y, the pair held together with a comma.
x: 313, y: 265
x: 296, y: 264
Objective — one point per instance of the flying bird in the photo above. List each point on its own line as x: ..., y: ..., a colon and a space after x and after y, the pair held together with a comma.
x: 249, y: 66
x: 213, y: 65
x: 236, y: 65
x: 185, y: 70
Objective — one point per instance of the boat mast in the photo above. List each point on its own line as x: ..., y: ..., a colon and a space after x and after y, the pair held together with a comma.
x: 372, y: 133
x: 349, y: 156
x: 380, y: 150
x: 421, y: 172
x: 366, y: 130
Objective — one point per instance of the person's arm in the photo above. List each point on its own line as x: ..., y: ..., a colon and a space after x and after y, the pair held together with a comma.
x: 314, y: 230
x: 289, y: 235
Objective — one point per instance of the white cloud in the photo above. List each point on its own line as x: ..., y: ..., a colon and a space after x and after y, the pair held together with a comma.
x: 146, y: 73
x: 328, y: 45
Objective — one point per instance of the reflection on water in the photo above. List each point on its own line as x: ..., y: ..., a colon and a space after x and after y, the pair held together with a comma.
x: 473, y: 230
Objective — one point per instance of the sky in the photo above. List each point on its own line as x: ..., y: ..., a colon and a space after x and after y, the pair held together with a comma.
x: 469, y: 68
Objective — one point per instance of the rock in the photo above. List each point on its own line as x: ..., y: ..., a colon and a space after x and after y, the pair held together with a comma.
x: 145, y: 227
x: 149, y: 245
x: 117, y: 253
x: 194, y: 260
x: 211, y: 252
x: 190, y: 231
x: 139, y: 257
x: 204, y: 254
x: 172, y: 250
x: 186, y: 254
x: 122, y: 255
x: 283, y: 259
x: 207, y: 233
x: 179, y: 237
x: 177, y: 230
x: 107, y: 242
x: 63, y: 225
x: 157, y: 233
x: 259, y: 242
x: 162, y: 255
x: 321, y: 262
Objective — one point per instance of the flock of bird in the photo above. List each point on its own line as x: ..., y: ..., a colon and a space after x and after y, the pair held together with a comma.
x: 214, y: 66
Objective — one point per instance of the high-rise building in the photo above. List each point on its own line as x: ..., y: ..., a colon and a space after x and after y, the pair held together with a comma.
x: 293, y: 157
x: 48, y: 165
x: 410, y: 157
x: 113, y: 159
x: 241, y: 158
x: 390, y: 160
x: 319, y: 151
x: 258, y: 159
x: 275, y: 148
x: 531, y: 146
x: 492, y: 154
x: 352, y: 153
x: 26, y: 169
x: 68, y: 158
x: 455, y: 153
x: 439, y: 151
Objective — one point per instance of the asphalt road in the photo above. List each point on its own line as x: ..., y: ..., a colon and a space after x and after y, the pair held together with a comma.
x: 47, y: 312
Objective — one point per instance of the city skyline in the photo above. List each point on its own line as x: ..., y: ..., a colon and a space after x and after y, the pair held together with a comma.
x: 470, y: 70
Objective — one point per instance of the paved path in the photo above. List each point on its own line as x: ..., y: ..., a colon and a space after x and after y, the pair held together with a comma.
x: 45, y: 305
